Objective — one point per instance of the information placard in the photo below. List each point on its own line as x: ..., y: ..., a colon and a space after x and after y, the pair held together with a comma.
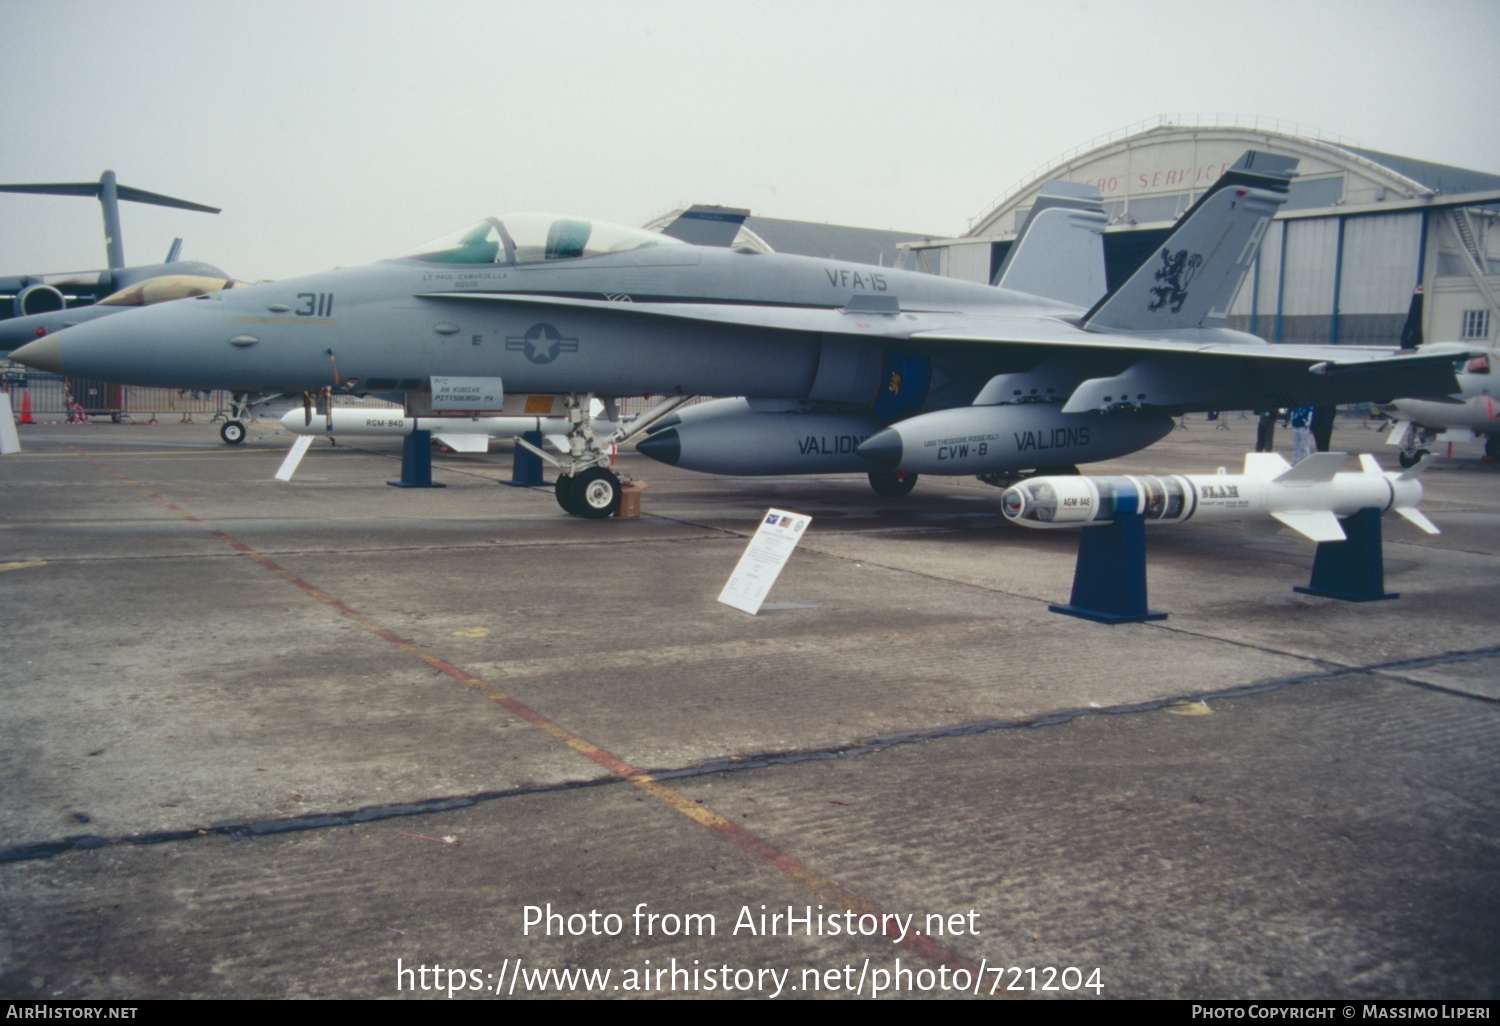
x: 767, y: 553
x: 468, y: 395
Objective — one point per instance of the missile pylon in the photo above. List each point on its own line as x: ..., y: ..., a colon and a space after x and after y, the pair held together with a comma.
x: 1309, y: 497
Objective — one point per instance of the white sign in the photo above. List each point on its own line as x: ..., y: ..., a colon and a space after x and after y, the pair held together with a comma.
x: 764, y: 557
x: 470, y: 395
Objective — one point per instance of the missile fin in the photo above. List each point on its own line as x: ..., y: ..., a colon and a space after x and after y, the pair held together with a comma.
x: 1417, y: 517
x: 1421, y: 465
x: 1369, y: 464
x: 1318, y: 525
x: 1319, y: 467
x: 464, y: 441
x: 1398, y: 433
x: 1265, y: 464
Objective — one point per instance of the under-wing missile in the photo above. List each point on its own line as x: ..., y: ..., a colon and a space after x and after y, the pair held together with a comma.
x: 462, y: 434
x: 1308, y: 497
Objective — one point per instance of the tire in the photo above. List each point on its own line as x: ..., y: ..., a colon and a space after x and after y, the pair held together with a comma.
x: 233, y: 432
x: 596, y: 493
x: 893, y: 485
x: 563, y: 489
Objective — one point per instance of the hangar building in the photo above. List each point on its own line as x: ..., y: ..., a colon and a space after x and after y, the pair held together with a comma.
x: 1360, y: 230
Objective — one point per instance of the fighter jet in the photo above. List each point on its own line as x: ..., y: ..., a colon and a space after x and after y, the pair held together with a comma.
x: 1471, y: 411
x: 841, y: 367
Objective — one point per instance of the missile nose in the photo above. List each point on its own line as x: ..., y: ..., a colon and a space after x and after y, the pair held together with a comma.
x: 883, y: 449
x: 45, y: 354
x: 663, y: 446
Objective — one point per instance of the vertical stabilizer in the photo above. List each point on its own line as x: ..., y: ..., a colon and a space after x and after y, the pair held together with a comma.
x: 1191, y: 279
x: 1059, y: 253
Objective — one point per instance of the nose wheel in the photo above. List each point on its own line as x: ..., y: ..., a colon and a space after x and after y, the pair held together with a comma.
x: 893, y: 485
x: 232, y: 432
x: 593, y: 494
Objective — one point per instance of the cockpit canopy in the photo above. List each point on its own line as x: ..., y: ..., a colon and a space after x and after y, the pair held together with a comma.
x: 534, y: 239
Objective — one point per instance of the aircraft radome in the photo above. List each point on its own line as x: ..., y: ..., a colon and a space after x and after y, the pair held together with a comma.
x: 839, y: 367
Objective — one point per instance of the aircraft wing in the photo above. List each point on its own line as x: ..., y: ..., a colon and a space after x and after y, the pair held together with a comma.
x: 1194, y: 371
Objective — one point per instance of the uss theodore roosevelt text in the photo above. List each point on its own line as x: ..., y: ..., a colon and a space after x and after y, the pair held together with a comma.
x: 764, y: 922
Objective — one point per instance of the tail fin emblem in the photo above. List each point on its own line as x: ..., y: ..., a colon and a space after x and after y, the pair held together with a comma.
x: 1175, y: 275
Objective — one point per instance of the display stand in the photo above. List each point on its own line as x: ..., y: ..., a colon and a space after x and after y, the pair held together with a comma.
x: 1109, y: 582
x: 416, y: 462
x: 526, y: 466
x: 1352, y: 570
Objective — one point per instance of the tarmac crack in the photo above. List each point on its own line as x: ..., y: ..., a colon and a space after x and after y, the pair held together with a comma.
x: 244, y: 829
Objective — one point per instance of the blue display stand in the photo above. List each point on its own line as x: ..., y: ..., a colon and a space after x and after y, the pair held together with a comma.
x: 416, y: 462
x: 1109, y: 582
x: 1352, y: 570
x: 526, y: 466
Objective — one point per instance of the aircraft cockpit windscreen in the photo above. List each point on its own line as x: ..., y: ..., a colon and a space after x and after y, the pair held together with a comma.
x: 535, y: 239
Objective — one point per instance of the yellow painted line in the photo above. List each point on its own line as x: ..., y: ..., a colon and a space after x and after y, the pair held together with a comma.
x: 22, y: 565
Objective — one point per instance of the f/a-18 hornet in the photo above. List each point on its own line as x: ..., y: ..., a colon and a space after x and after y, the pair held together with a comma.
x: 839, y: 367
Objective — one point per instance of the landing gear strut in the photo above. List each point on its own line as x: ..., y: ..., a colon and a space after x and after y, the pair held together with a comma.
x: 587, y: 487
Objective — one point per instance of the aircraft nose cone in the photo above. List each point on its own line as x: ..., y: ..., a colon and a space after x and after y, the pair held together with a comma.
x: 45, y: 354
x: 663, y: 446
x: 883, y: 449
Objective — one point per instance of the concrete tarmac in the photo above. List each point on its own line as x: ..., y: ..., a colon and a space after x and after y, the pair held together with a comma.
x: 318, y: 738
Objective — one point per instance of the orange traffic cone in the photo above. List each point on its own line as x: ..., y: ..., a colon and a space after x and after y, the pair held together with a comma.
x: 26, y: 407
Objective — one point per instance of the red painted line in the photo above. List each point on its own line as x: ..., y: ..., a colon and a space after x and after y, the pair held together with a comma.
x: 741, y: 838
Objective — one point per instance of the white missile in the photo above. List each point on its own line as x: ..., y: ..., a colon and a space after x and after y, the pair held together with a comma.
x: 461, y: 434
x: 1308, y: 497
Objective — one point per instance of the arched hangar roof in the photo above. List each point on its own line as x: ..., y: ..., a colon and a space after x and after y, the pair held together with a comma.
x: 1150, y: 173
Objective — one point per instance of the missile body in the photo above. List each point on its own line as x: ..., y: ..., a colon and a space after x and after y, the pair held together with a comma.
x: 1012, y: 436
x: 1308, y: 497
x: 464, y: 434
x: 749, y: 439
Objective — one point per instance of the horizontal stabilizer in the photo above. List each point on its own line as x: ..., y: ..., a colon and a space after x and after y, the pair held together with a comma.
x: 1317, y: 468
x: 1417, y: 517
x: 1318, y: 525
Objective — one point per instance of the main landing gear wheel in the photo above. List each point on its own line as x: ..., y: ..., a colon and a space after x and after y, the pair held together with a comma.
x: 233, y: 432
x: 1411, y: 459
x: 893, y: 485
x: 594, y: 494
x: 563, y: 489
x: 597, y: 493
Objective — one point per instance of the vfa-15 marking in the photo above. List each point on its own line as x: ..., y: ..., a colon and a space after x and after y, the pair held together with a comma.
x: 934, y: 375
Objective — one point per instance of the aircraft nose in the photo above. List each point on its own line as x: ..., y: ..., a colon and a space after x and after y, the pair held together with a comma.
x: 45, y: 354
x: 662, y: 446
x: 883, y: 449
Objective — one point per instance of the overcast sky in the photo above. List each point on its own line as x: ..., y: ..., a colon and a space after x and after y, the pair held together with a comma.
x: 335, y: 133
